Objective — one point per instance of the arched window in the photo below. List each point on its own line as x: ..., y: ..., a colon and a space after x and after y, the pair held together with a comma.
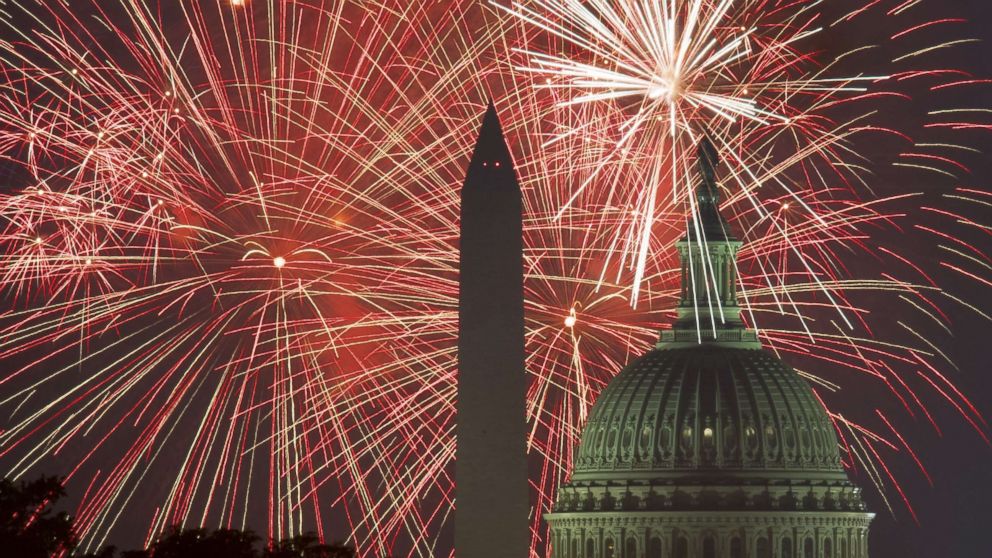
x: 590, y: 549
x: 843, y: 548
x: 665, y: 440
x: 628, y: 439
x: 611, y: 439
x: 708, y: 436
x: 828, y: 549
x: 630, y: 551
x: 787, y: 548
x: 681, y: 547
x: 750, y: 437
x: 611, y: 551
x: 808, y: 548
x: 654, y: 548
x: 763, y: 549
x: 573, y: 549
x: 736, y: 548
x: 709, y: 548
x: 687, y: 438
x: 646, y: 438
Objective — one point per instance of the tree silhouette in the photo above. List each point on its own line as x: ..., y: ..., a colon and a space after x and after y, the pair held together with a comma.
x: 229, y: 543
x: 106, y: 552
x: 29, y: 528
x: 306, y: 546
x: 199, y: 543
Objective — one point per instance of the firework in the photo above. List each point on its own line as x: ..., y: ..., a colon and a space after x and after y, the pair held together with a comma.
x: 648, y: 80
x: 230, y: 244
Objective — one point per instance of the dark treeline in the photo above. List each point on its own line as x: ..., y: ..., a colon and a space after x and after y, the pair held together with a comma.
x: 30, y: 528
x: 227, y: 543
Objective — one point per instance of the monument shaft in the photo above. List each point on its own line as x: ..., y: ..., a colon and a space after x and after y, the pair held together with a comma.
x: 492, y: 498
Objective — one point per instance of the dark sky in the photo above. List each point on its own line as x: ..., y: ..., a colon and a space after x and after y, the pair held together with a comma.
x: 955, y: 514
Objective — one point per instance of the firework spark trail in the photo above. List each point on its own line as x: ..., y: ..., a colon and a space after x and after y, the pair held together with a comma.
x: 630, y: 58
x: 695, y: 67
x: 234, y: 250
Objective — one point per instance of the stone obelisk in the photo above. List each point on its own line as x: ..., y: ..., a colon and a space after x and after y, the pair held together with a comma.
x: 492, y: 495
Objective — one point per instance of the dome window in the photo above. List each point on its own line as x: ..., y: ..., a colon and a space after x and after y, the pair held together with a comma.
x: 709, y: 548
x: 790, y: 437
x: 751, y: 438
x: 654, y: 549
x: 687, y: 438
x: 628, y: 439
x: 736, y: 548
x: 708, y: 444
x: 729, y: 437
x: 770, y: 437
x: 763, y: 548
x: 646, y: 437
x: 787, y: 548
x: 665, y: 440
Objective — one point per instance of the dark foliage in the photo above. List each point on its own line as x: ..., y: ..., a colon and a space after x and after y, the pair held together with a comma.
x: 199, y: 543
x: 107, y: 552
x: 229, y: 543
x: 306, y: 546
x: 28, y: 526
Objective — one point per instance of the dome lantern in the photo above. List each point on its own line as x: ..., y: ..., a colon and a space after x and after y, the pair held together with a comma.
x: 708, y: 310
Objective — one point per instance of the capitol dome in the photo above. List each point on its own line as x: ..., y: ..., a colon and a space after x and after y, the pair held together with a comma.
x: 708, y: 446
x: 708, y: 412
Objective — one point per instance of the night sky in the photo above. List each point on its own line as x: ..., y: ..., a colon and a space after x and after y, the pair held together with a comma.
x: 956, y: 512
